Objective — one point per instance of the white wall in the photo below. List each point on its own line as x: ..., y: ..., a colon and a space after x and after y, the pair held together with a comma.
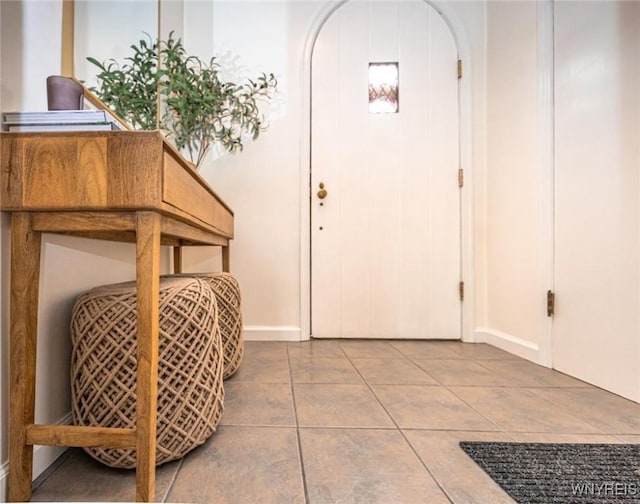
x: 30, y: 51
x: 515, y: 295
x: 562, y: 187
x: 96, y: 34
x: 23, y: 87
x: 262, y: 184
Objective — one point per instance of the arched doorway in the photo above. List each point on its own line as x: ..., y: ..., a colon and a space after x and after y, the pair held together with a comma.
x: 386, y: 244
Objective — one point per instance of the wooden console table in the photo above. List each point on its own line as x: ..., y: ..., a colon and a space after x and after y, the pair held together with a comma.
x: 122, y: 186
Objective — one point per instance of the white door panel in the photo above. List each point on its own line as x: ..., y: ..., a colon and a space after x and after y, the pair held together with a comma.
x: 597, y: 177
x: 386, y: 239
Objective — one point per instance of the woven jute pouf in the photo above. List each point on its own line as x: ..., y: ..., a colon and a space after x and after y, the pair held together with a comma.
x: 190, y: 367
x: 227, y: 291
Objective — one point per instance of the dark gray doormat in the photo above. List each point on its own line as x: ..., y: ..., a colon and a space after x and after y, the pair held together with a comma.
x: 537, y: 473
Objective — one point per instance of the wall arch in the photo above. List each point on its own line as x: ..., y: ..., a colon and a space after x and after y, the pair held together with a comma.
x: 461, y: 39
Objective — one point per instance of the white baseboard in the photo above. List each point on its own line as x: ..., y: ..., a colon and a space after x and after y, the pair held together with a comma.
x: 272, y: 333
x: 43, y: 457
x: 508, y: 343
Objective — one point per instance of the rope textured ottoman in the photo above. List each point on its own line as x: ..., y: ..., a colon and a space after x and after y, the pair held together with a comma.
x: 103, y: 366
x: 227, y: 291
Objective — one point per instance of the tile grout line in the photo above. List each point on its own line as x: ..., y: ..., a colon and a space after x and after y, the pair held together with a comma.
x: 413, y: 360
x: 481, y: 363
x: 397, y: 428
x: 53, y: 467
x: 444, y: 386
x: 297, y: 427
x: 173, y: 480
x: 570, y: 412
x: 500, y: 429
x: 510, y: 433
x: 450, y: 495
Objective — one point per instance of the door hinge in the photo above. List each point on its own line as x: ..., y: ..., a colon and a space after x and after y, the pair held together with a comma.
x: 460, y: 177
x: 461, y: 290
x: 551, y: 303
x: 459, y: 69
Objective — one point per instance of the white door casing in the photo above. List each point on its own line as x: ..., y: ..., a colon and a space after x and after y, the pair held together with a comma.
x: 386, y: 240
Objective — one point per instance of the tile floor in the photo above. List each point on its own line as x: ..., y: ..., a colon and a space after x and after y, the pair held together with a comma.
x: 365, y: 422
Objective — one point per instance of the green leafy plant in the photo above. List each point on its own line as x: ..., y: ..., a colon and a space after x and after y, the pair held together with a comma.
x: 131, y: 89
x: 199, y: 109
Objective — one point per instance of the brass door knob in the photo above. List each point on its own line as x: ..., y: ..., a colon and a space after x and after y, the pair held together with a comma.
x: 322, y: 193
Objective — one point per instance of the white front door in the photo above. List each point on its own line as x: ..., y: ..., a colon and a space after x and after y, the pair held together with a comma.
x: 386, y: 238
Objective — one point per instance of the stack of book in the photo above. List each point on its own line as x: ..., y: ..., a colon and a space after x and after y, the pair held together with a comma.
x: 60, y: 120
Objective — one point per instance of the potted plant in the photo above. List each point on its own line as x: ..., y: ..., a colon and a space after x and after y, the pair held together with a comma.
x: 198, y: 108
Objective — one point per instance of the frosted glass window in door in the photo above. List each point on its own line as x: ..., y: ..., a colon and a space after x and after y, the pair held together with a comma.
x: 383, y: 88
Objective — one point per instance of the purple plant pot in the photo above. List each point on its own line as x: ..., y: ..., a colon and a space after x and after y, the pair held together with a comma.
x: 64, y: 93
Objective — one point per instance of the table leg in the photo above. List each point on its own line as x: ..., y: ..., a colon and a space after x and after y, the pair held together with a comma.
x: 226, y: 258
x: 25, y: 276
x: 148, y: 302
x: 177, y: 259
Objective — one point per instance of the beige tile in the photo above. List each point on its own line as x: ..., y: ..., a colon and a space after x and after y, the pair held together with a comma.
x: 528, y: 374
x: 258, y: 370
x: 265, y: 350
x: 629, y: 438
x: 392, y: 371
x: 323, y: 370
x: 242, y: 465
x: 462, y: 372
x: 460, y: 477
x: 369, y: 349
x: 608, y: 412
x: 331, y: 405
x: 552, y: 437
x: 424, y: 349
x: 429, y: 407
x: 263, y: 362
x: 478, y: 351
x: 258, y: 404
x: 364, y: 466
x: 80, y: 478
x: 520, y: 410
x: 352, y: 449
x: 315, y: 348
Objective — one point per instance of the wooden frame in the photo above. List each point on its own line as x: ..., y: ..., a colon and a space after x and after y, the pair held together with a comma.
x: 67, y: 66
x: 105, y: 185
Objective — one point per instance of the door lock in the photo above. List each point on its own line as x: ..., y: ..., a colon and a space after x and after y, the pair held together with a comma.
x: 322, y: 193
